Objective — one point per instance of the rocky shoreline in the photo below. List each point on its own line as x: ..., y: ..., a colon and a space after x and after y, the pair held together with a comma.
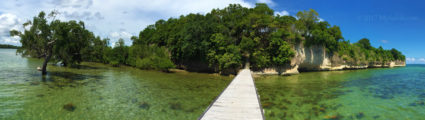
x: 315, y: 58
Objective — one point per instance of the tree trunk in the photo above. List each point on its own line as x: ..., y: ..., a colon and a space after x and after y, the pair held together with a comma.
x: 46, y: 60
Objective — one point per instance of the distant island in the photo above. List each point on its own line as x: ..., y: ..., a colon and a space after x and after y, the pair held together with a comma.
x: 221, y: 41
x: 8, y: 46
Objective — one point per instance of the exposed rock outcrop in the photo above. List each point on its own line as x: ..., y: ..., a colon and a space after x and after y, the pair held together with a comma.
x: 315, y: 58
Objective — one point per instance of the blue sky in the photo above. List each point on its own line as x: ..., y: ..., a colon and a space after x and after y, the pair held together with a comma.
x: 388, y: 23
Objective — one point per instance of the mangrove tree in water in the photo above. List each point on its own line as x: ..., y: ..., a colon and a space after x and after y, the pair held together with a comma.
x: 53, y: 40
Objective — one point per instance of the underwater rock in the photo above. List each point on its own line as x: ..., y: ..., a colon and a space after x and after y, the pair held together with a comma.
x: 175, y: 106
x: 384, y: 96
x: 422, y: 95
x: 287, y: 101
x: 191, y: 110
x: 284, y: 114
x: 134, y: 100
x: 70, y: 107
x: 416, y: 103
x: 376, y: 117
x: 322, y: 109
x: 267, y: 104
x: 144, y: 105
x: 420, y: 102
x: 283, y: 107
x: 330, y: 117
x: 337, y: 106
x: 271, y: 114
x: 360, y: 115
x: 35, y: 83
x: 412, y: 104
x: 333, y: 117
x: 316, y: 113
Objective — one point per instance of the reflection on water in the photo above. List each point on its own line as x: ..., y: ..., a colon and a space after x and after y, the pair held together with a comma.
x: 394, y: 93
x: 96, y: 91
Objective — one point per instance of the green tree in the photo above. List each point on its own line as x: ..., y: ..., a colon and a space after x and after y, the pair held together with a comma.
x: 279, y: 49
x: 306, y: 21
x: 365, y: 43
x: 60, y: 41
x: 119, y: 54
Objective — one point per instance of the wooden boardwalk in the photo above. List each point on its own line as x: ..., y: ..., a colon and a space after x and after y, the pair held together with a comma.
x: 239, y: 101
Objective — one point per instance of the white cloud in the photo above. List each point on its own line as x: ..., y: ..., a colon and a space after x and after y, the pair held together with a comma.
x: 384, y: 41
x: 321, y: 19
x: 122, y: 34
x: 282, y: 13
x: 12, y: 40
x: 411, y: 60
x: 104, y: 17
x: 117, y: 35
x: 73, y: 3
x: 9, y: 22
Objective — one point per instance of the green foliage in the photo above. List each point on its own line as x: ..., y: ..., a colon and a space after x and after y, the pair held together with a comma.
x: 362, y: 53
x: 223, y: 54
x: 72, y: 38
x: 222, y: 40
x: 149, y: 57
x: 397, y: 55
x: 96, y: 51
x: 226, y: 38
x: 54, y: 40
x: 364, y: 43
x: 280, y: 50
x: 306, y: 21
x: 119, y: 52
x: 318, y: 32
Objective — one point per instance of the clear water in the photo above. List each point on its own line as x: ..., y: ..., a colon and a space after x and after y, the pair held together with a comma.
x: 384, y: 94
x: 100, y: 92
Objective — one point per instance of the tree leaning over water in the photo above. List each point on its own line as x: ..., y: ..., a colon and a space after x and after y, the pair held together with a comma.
x: 53, y: 40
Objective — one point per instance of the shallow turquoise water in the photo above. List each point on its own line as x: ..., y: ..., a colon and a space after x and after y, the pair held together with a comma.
x: 97, y: 91
x: 383, y: 93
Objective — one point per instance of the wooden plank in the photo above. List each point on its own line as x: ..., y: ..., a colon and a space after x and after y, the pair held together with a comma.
x: 239, y: 101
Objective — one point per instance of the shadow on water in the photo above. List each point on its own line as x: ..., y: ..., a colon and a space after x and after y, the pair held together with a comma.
x: 86, y: 67
x: 68, y: 79
x: 72, y: 76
